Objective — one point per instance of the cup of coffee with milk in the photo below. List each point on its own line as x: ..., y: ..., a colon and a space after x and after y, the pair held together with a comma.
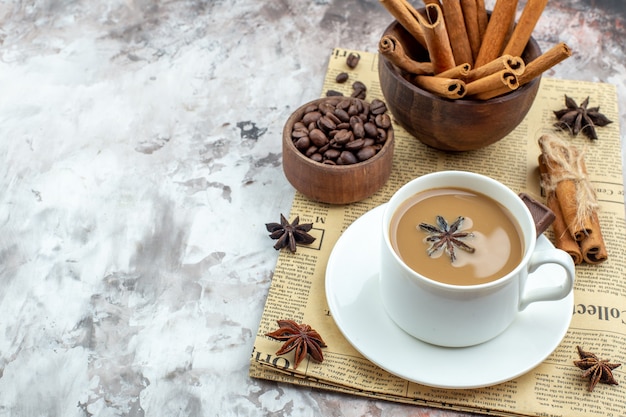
x: 458, y: 249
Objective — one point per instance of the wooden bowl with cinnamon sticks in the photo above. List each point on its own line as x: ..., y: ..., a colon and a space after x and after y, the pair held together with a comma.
x: 450, y: 124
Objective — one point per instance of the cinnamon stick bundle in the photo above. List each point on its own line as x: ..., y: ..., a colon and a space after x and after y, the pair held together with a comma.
x: 457, y: 32
x: 564, y: 174
x: 502, y: 17
x: 437, y: 40
x: 392, y: 49
x: 562, y: 237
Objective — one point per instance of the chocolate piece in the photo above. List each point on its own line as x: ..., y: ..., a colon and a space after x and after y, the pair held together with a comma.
x: 542, y: 215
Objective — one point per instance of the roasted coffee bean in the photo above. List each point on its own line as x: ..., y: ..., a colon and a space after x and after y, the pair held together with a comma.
x: 326, y: 124
x: 342, y: 130
x: 303, y: 143
x: 309, y: 152
x: 371, y: 130
x: 342, y: 115
x: 331, y: 93
x: 355, y: 145
x: 355, y: 120
x: 366, y: 153
x: 311, y: 117
x: 299, y: 125
x: 357, y: 127
x: 378, y: 106
x: 342, y: 137
x: 353, y: 60
x: 347, y: 158
x: 335, y: 119
x: 360, y: 94
x: 342, y: 77
x: 344, y: 104
x: 298, y: 133
x: 382, y: 135
x: 318, y: 138
x: 358, y: 130
x: 358, y: 85
x: 383, y: 121
x: 325, y: 108
x: 332, y: 153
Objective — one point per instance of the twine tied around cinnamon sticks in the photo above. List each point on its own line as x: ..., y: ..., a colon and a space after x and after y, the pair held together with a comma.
x: 570, y: 195
x: 459, y: 33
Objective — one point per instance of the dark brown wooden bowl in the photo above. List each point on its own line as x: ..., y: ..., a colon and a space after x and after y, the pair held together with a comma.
x: 451, y: 125
x: 334, y: 184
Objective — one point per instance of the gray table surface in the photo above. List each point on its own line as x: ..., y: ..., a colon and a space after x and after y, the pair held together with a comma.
x: 139, y: 160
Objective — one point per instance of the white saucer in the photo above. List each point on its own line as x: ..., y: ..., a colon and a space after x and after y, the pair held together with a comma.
x: 353, y: 298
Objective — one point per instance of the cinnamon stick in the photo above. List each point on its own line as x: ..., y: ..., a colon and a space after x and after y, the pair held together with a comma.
x: 390, y: 47
x: 492, y: 85
x: 457, y: 32
x: 593, y: 247
x: 405, y: 14
x: 502, y: 18
x: 525, y: 26
x: 510, y: 63
x: 470, y: 16
x: 544, y: 62
x: 444, y: 87
x: 460, y: 71
x: 436, y: 37
x: 483, y: 18
x: 563, y: 240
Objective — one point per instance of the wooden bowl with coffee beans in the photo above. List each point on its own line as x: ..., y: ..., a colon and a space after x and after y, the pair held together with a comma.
x: 338, y: 150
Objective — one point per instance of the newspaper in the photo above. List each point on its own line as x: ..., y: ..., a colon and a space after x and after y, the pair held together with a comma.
x: 553, y: 388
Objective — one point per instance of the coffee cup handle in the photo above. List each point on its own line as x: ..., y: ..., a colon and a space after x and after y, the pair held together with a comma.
x: 549, y: 293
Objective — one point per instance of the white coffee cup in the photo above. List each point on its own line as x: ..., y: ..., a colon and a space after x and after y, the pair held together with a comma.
x: 458, y: 316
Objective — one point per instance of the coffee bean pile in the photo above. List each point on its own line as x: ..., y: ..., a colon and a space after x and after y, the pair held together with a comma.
x: 342, y: 130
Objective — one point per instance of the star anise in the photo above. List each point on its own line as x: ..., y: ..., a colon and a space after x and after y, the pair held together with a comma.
x: 580, y: 118
x: 289, y: 234
x: 446, y: 237
x: 595, y: 369
x: 300, y: 337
